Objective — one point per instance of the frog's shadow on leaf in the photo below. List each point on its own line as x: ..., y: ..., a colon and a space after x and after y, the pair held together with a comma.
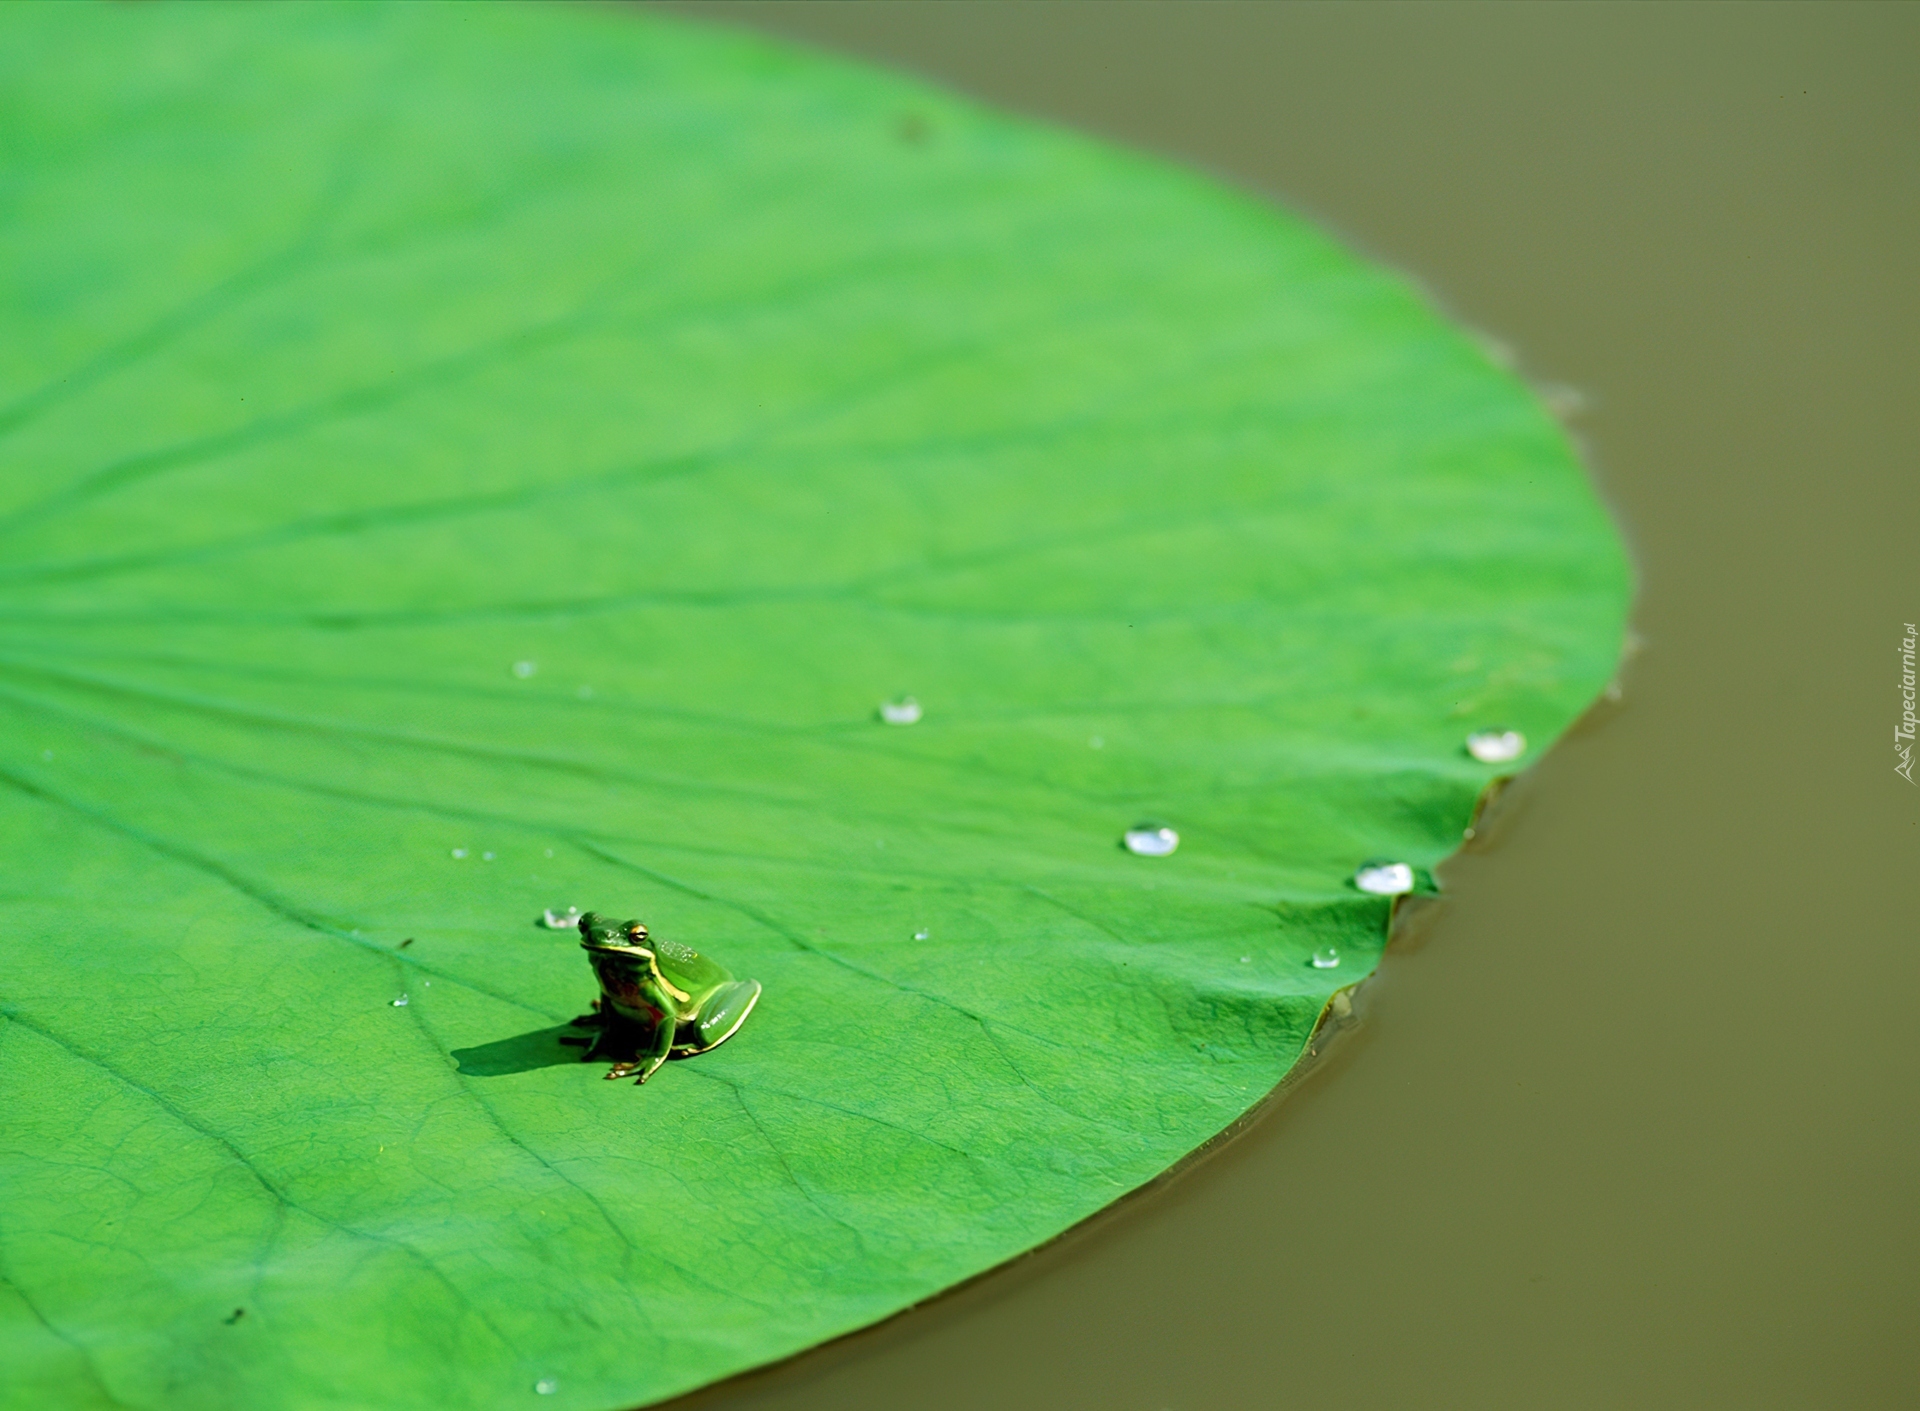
x: 537, y: 1048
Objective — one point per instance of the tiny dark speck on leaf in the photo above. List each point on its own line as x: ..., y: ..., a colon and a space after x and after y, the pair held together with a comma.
x: 238, y: 1314
x: 407, y: 942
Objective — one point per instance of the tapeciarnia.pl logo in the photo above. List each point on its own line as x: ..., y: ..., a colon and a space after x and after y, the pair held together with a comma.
x: 1903, y: 732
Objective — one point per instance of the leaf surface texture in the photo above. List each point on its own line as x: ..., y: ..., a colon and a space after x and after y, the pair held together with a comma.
x: 459, y: 461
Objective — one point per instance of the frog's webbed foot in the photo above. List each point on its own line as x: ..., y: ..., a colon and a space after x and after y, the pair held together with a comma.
x: 620, y: 1070
x: 648, y: 1067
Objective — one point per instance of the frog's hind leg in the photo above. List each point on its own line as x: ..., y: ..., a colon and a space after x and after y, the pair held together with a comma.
x: 719, y: 1018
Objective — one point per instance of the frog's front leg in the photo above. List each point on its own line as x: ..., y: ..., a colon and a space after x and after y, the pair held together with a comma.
x: 656, y: 1042
x: 606, y: 1037
x: 594, y: 1019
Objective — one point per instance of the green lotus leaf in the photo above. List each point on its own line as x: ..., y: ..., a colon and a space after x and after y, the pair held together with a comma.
x: 461, y: 461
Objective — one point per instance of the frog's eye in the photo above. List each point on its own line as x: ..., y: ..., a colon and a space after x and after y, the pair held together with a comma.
x: 636, y: 933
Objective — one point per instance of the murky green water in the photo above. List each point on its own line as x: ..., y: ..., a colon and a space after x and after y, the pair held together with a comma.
x: 1630, y: 1119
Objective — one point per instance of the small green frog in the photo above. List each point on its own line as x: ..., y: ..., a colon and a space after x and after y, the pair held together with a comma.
x: 658, y: 999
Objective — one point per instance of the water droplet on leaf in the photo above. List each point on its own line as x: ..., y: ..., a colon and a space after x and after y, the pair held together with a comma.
x: 1096, y: 743
x: 905, y: 711
x: 400, y: 1003
x: 459, y: 852
x: 524, y: 669
x: 1496, y: 746
x: 1384, y: 879
x: 1151, y: 840
x: 546, y: 1386
x: 922, y: 934
x: 1326, y: 959
x: 567, y: 920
